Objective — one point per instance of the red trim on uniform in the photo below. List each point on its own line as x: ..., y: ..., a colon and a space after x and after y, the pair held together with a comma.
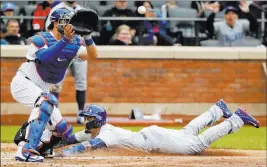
x: 43, y: 39
x: 65, y: 130
x: 38, y: 147
x: 58, y: 123
x: 82, y: 42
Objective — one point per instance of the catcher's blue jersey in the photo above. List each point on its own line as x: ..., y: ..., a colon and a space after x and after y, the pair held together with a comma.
x: 52, y: 62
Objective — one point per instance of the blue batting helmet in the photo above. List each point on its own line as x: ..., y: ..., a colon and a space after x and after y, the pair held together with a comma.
x: 96, y: 111
x: 62, y: 16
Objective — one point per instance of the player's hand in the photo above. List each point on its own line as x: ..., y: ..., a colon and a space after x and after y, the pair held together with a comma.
x: 215, y: 8
x: 69, y: 31
x: 79, y: 148
x: 244, y: 6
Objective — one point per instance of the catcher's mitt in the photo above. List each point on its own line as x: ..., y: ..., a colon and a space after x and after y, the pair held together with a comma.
x: 84, y: 21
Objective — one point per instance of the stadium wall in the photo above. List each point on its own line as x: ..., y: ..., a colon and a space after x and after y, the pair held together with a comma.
x: 176, y: 80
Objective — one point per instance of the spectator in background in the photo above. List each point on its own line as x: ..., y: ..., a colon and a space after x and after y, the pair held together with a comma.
x: 109, y: 27
x: 7, y: 9
x: 235, y: 4
x: 148, y: 30
x: 2, y: 36
x: 166, y: 6
x: 42, y: 10
x: 13, y: 36
x: 231, y: 30
x: 202, y: 7
x: 122, y: 36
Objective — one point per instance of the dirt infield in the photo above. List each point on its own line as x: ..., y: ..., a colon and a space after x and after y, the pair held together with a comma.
x: 210, y: 158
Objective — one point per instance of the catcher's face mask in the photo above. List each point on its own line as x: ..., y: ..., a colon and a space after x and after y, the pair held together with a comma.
x: 64, y: 20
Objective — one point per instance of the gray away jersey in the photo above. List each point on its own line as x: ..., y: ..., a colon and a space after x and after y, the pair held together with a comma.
x: 228, y: 36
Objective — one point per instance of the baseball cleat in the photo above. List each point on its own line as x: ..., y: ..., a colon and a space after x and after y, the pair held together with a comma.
x: 246, y: 118
x: 25, y: 155
x: 80, y: 119
x: 223, y: 106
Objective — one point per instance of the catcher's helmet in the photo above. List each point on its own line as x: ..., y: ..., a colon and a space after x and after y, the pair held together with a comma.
x: 62, y: 16
x: 96, y: 111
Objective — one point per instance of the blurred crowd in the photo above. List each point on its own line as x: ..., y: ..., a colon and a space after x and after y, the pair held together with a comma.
x: 145, y: 32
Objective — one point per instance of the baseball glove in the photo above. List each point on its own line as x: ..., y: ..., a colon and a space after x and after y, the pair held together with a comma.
x: 84, y: 21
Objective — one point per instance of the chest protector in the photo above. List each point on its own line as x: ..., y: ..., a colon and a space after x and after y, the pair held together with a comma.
x: 53, y: 69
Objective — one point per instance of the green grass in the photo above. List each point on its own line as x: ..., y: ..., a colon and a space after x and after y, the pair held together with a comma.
x: 246, y: 138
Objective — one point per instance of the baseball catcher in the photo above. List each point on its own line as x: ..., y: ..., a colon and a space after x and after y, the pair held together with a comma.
x: 48, y: 57
x: 83, y: 21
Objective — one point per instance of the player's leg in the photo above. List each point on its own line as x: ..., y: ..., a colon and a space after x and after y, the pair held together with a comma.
x: 79, y: 70
x: 215, y: 113
x: 26, y: 92
x: 60, y: 129
x: 38, y: 119
x: 228, y: 126
x: 56, y: 89
x: 58, y: 125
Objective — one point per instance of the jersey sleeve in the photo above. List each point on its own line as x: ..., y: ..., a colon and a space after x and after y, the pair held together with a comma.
x: 30, y: 55
x: 108, y: 137
x: 81, y: 50
x: 82, y: 136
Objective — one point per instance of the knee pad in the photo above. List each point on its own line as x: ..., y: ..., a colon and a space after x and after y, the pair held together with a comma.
x: 47, y: 106
x: 50, y: 97
x: 37, y: 126
x: 46, y: 110
x: 64, y: 129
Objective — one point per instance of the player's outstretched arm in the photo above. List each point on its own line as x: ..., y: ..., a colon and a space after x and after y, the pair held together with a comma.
x: 92, y: 144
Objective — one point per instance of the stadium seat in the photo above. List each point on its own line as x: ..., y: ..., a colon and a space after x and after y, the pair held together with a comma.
x: 157, y: 10
x: 102, y: 9
x: 209, y: 43
x: 182, y: 13
x: 247, y: 42
x: 219, y: 15
x: 130, y: 4
x: 184, y: 4
x: 157, y: 3
x: 88, y: 4
x: 29, y: 9
x: 16, y: 10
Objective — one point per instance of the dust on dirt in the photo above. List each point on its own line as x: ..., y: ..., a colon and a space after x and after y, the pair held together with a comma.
x: 122, y: 157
